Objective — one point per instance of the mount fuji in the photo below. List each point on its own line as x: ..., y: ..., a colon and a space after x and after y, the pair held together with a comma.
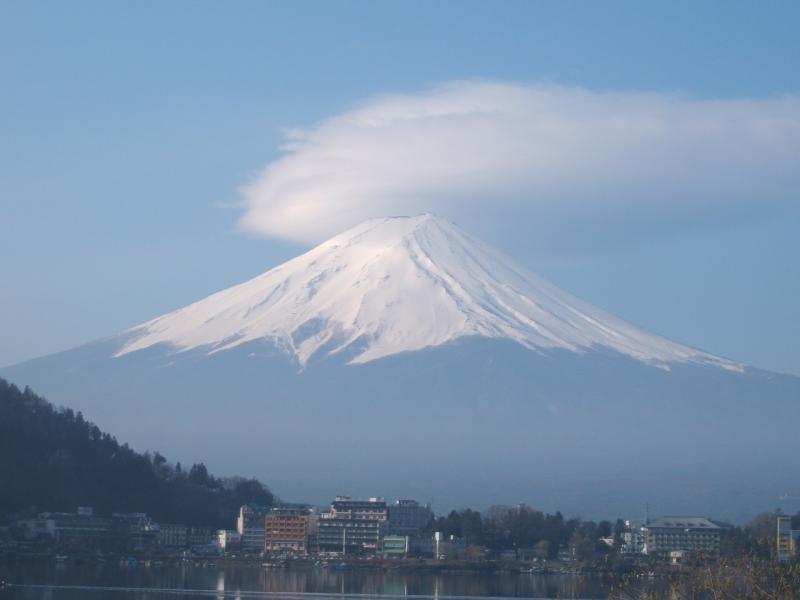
x: 404, y: 357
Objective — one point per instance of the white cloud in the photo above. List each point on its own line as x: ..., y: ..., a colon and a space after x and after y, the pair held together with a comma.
x: 554, y: 163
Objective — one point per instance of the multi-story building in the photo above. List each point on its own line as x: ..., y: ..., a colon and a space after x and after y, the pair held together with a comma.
x: 135, y: 530
x: 199, y: 536
x: 68, y: 529
x: 408, y: 517
x: 696, y: 534
x: 633, y: 537
x: 352, y: 526
x: 287, y: 529
x: 39, y: 529
x: 788, y: 538
x: 173, y: 536
x: 250, y: 526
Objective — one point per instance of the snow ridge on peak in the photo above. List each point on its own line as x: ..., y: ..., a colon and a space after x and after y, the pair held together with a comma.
x: 401, y: 284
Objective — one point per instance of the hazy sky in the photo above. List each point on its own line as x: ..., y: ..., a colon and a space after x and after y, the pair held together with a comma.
x: 643, y: 156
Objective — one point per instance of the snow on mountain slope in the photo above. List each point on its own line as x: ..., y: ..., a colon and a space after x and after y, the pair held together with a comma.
x: 401, y: 284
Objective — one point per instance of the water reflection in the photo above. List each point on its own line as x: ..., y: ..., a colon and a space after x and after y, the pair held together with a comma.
x: 239, y: 582
x: 221, y: 585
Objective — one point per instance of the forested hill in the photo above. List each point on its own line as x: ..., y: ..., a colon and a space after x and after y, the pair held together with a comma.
x: 52, y: 459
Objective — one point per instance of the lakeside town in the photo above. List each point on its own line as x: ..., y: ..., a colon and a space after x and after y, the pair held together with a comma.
x: 372, y: 532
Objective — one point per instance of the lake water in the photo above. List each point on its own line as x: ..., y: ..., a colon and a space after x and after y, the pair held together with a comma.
x: 50, y: 581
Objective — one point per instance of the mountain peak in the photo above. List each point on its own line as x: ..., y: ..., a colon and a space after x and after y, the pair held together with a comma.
x: 401, y: 284
x: 390, y: 230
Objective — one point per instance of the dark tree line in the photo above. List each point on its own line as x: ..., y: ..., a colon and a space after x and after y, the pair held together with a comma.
x: 523, y: 527
x: 756, y: 539
x: 52, y: 459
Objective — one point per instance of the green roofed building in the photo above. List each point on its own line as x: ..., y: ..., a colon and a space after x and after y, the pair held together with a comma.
x: 394, y: 545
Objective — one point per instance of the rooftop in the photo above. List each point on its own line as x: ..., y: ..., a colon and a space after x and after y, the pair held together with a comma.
x: 683, y: 523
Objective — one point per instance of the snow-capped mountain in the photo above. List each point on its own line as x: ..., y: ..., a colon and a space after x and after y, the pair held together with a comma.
x: 401, y: 284
x: 405, y: 358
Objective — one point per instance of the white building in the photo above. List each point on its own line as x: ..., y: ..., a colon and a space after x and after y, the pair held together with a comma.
x: 227, y: 539
x: 352, y: 526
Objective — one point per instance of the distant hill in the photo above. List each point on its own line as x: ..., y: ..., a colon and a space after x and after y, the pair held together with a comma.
x: 52, y: 459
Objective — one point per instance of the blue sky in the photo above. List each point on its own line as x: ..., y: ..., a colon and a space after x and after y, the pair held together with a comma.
x: 127, y: 131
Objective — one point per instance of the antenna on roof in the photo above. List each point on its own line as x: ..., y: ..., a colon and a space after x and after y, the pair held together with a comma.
x: 646, y: 514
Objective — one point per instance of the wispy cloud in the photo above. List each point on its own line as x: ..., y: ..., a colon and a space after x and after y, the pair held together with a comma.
x: 553, y: 163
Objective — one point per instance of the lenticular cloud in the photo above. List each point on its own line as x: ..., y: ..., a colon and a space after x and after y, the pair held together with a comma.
x: 560, y: 160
